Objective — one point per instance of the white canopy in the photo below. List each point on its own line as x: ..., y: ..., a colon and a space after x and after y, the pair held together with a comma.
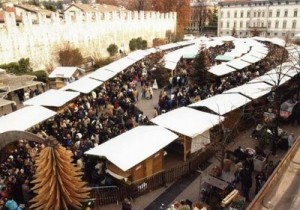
x: 134, y: 146
x: 274, y: 79
x: 168, y: 46
x: 24, y: 118
x: 64, y: 72
x: 83, y: 85
x: 151, y: 50
x: 53, y: 98
x: 238, y: 64
x: 221, y: 69
x: 184, y: 43
x: 187, y: 121
x: 120, y: 65
x: 170, y: 65
x: 278, y: 41
x: 227, y: 38
x: 223, y: 103
x: 252, y: 90
x: 213, y: 43
x: 102, y: 74
x: 257, y: 54
x: 138, y: 55
x: 249, y: 58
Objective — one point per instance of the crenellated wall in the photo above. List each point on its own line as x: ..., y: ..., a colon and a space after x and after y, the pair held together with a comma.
x: 91, y: 32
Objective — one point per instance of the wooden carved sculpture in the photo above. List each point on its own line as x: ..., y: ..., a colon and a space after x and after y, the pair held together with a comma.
x: 58, y: 183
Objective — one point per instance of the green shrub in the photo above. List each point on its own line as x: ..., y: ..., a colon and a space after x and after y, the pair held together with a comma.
x: 112, y: 49
x: 21, y: 67
x: 138, y: 43
x: 133, y: 44
x: 41, y: 75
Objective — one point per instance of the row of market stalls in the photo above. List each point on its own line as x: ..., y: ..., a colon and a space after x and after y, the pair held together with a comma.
x: 139, y: 153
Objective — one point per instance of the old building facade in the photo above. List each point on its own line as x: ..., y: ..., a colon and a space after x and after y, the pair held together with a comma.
x: 268, y: 18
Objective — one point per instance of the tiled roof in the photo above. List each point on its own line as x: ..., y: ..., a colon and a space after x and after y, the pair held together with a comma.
x: 18, y: 18
x: 96, y: 7
x: 34, y: 9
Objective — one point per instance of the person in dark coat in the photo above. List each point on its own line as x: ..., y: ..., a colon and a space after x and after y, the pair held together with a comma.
x: 246, y: 180
x: 126, y: 205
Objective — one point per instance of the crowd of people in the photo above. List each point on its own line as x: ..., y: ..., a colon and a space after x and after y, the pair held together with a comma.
x: 106, y: 112
x: 184, y: 91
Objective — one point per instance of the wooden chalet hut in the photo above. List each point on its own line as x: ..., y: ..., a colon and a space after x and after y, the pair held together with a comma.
x: 135, y: 154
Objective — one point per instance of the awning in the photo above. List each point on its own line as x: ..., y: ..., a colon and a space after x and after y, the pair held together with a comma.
x: 170, y: 65
x: 223, y: 103
x: 83, y: 85
x: 102, y: 74
x: 168, y: 46
x: 238, y: 64
x: 249, y: 58
x: 221, y: 69
x: 187, y: 121
x: 52, y: 98
x: 138, y: 55
x: 64, y: 72
x: 134, y: 146
x: 252, y: 90
x: 24, y: 118
x: 190, y: 56
x: 224, y: 58
x: 4, y: 102
x: 227, y: 38
x: 120, y: 65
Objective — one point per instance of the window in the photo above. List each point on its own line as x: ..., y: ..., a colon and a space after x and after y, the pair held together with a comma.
x: 258, y: 14
x: 242, y: 14
x: 278, y: 13
x: 235, y: 14
x: 234, y: 24
x: 283, y: 34
x: 227, y: 24
x: 254, y: 14
x: 294, y: 24
x: 276, y: 24
x: 284, y: 24
x: 254, y: 25
x: 222, y: 13
x: 263, y: 14
x: 221, y: 24
x: 247, y: 24
x: 262, y: 24
x: 285, y: 13
x: 270, y: 14
x: 295, y: 13
x: 269, y: 24
x: 248, y: 14
x: 275, y: 34
x: 228, y: 14
x: 241, y: 24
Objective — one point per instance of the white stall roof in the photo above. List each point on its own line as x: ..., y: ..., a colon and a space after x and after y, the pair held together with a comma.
x: 102, y: 74
x: 238, y: 64
x: 64, y: 72
x: 184, y: 43
x: 213, y: 43
x: 223, y: 103
x: 138, y: 55
x: 168, y: 46
x: 187, y: 121
x: 53, y: 98
x: 249, y: 58
x: 278, y: 41
x: 83, y: 85
x: 227, y: 38
x: 134, y: 146
x: 221, y: 69
x: 151, y: 50
x: 24, y: 118
x: 170, y: 65
x: 119, y: 65
x: 252, y: 90
x: 275, y: 79
x: 262, y: 39
x: 257, y: 54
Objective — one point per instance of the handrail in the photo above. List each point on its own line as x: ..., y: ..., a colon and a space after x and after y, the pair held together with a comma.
x: 277, y: 174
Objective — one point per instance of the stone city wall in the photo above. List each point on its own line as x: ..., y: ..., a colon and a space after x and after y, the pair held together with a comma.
x: 92, y: 33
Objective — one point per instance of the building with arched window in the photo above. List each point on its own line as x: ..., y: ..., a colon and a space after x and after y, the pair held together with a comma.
x: 268, y: 18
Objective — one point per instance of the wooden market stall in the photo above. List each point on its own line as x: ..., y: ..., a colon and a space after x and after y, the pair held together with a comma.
x: 135, y: 154
x: 191, y: 125
x: 64, y: 75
